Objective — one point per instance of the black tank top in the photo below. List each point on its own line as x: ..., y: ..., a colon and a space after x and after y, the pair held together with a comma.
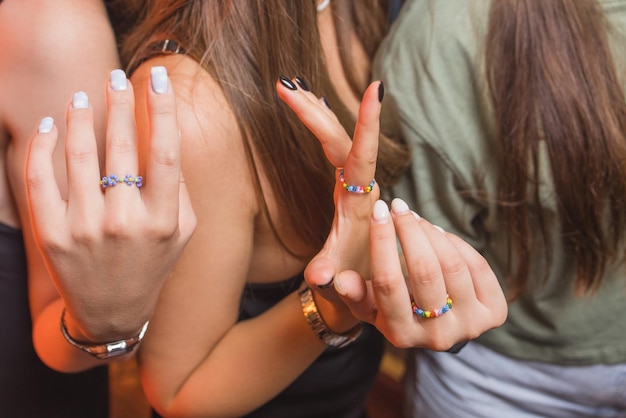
x: 29, y: 389
x: 337, y: 383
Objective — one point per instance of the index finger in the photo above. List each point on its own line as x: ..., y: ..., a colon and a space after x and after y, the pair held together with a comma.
x: 319, y: 119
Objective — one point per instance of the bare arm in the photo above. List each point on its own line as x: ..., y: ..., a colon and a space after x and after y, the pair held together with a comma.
x: 437, y: 263
x: 197, y: 359
x: 100, y: 270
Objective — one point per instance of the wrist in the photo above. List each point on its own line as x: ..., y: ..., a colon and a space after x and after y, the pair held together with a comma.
x: 103, y: 350
x: 92, y: 327
x: 348, y: 333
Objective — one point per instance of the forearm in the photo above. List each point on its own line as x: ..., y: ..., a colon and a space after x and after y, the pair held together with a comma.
x: 254, y: 361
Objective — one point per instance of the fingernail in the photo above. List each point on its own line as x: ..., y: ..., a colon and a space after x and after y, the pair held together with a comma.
x: 416, y: 215
x: 80, y: 100
x: 302, y: 84
x: 118, y: 80
x: 380, y: 213
x: 399, y: 206
x: 338, y: 287
x: 381, y: 91
x: 158, y: 75
x: 326, y: 285
x: 45, y: 125
x: 326, y: 102
x: 440, y: 229
x: 287, y: 83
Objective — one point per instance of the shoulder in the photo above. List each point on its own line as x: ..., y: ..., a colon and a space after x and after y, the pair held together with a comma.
x: 41, y: 29
x: 203, y: 110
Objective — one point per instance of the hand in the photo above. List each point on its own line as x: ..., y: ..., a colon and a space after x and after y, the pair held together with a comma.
x: 109, y: 250
x: 347, y: 244
x: 437, y: 264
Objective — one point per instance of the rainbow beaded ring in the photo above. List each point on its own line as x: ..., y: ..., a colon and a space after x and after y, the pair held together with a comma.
x: 112, y: 180
x: 356, y: 189
x: 435, y: 313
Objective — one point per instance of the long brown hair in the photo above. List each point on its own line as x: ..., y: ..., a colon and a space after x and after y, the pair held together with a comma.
x: 246, y: 46
x: 368, y: 22
x: 554, y: 83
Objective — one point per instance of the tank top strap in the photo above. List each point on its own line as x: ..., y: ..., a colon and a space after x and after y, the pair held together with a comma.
x: 155, y: 49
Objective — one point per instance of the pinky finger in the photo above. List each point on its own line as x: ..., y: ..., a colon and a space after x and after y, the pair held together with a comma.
x: 486, y: 285
x: 44, y: 197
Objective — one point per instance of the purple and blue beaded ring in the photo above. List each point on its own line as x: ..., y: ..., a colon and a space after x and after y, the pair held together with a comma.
x: 434, y: 313
x: 355, y: 189
x: 112, y: 180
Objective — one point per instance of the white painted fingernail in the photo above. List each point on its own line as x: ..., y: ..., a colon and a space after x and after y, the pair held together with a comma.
x: 380, y: 213
x: 45, y: 125
x: 80, y: 100
x: 158, y: 76
x: 416, y: 215
x: 440, y: 229
x: 118, y: 80
x: 399, y: 206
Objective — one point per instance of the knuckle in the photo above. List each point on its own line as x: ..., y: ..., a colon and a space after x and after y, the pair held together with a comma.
x: 117, y: 227
x: 385, y: 285
x: 162, y: 107
x: 122, y: 144
x: 79, y: 151
x: 424, y: 271
x: 453, y: 264
x: 398, y: 339
x: 35, y: 177
x: 164, y: 229
x: 122, y: 99
x: 85, y: 233
x: 438, y: 341
x: 167, y: 158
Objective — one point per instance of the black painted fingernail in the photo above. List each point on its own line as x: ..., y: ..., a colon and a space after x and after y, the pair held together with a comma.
x: 287, y: 83
x: 381, y: 91
x: 302, y: 84
x: 326, y: 102
x: 326, y: 285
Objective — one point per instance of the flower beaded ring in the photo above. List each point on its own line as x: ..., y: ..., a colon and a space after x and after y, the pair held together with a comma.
x: 112, y: 180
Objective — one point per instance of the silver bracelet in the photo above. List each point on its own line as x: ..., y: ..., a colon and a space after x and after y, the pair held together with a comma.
x: 105, y: 350
x: 315, y: 321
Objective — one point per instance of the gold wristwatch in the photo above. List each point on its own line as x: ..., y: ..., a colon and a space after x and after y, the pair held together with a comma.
x: 315, y: 321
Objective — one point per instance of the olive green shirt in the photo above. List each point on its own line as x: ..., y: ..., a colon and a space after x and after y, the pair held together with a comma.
x: 432, y: 65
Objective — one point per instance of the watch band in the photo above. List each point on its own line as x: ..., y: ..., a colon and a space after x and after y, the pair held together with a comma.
x: 105, y: 350
x: 315, y: 321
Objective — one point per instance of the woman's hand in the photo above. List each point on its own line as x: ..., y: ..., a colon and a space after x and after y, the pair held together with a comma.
x: 355, y: 161
x: 456, y: 295
x: 109, y: 249
x: 361, y: 256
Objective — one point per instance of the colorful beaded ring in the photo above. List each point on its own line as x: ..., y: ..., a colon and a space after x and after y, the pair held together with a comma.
x: 112, y: 180
x: 435, y: 313
x: 356, y: 189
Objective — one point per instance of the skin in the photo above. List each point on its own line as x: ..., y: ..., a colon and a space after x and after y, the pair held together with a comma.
x: 80, y: 228
x: 181, y: 379
x: 202, y: 378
